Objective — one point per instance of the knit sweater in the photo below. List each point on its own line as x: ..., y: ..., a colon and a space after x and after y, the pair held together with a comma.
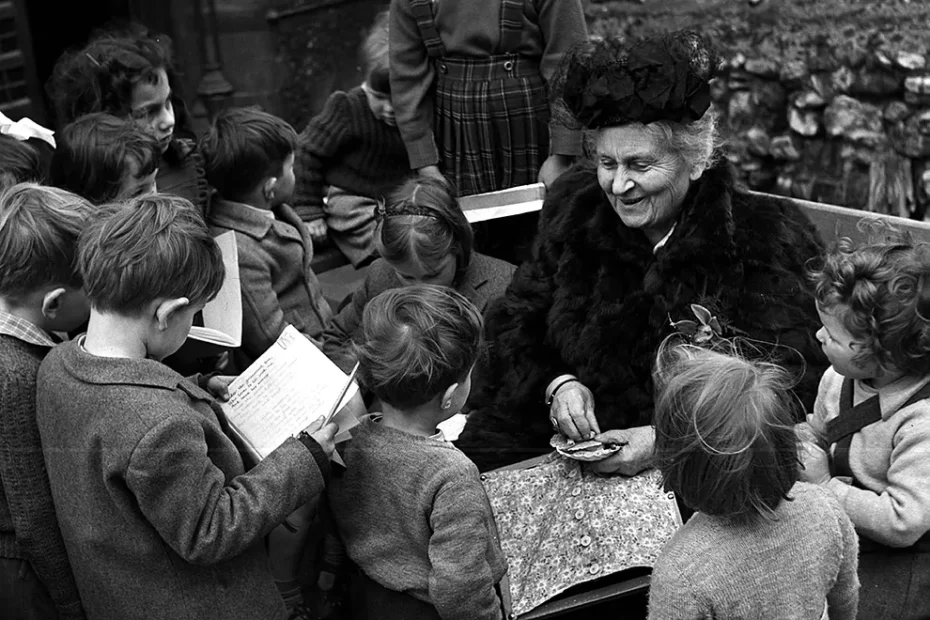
x: 28, y: 523
x: 414, y: 517
x: 345, y: 145
x: 890, y: 459
x: 781, y: 568
x: 472, y: 28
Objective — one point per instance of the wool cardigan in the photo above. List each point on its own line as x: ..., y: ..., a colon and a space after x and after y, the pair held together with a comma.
x: 158, y: 513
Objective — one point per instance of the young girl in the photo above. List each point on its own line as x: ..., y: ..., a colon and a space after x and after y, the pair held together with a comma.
x: 410, y: 507
x: 130, y: 75
x: 423, y: 237
x: 354, y: 147
x: 468, y: 83
x: 869, y: 435
x: 103, y: 158
x: 761, y: 544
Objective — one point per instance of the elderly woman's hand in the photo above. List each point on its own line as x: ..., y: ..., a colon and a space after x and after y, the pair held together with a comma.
x: 633, y: 457
x: 572, y: 412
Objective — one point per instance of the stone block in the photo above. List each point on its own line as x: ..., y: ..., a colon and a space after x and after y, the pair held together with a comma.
x: 758, y: 142
x: 808, y: 99
x: 792, y: 73
x: 896, y: 111
x: 768, y: 68
x: 875, y: 82
x: 855, y: 121
x: 917, y: 84
x: 804, y: 122
x: 784, y: 148
x: 910, y: 61
x: 842, y: 79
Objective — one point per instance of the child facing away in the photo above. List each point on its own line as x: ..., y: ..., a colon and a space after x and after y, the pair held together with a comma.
x: 468, y: 83
x: 25, y: 151
x: 868, y: 440
x: 249, y: 156
x: 423, y: 237
x: 352, y: 146
x: 130, y: 73
x: 158, y: 513
x: 103, y: 158
x: 40, y: 293
x: 761, y: 544
x: 410, y: 507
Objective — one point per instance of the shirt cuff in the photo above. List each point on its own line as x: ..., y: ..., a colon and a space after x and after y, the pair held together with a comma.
x: 555, y: 383
x: 565, y: 141
x: 423, y: 152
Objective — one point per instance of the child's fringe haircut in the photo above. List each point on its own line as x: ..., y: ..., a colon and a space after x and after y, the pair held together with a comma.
x: 725, y: 441
x: 417, y: 341
x: 880, y: 290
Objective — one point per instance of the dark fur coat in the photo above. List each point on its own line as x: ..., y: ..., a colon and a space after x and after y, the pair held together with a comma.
x: 595, y: 302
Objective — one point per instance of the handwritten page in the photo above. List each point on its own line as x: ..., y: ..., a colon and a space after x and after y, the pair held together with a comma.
x: 561, y: 525
x: 222, y: 317
x: 291, y: 385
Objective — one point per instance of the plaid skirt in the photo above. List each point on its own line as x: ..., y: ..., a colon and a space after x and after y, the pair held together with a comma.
x: 491, y: 122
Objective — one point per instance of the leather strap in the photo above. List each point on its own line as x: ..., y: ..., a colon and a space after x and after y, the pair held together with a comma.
x: 423, y: 14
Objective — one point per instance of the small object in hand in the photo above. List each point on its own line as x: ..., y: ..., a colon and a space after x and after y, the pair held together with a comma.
x: 583, y: 450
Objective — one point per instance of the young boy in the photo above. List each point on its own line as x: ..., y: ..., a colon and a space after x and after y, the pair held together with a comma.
x: 250, y: 160
x: 40, y: 292
x: 354, y: 147
x: 410, y: 507
x: 159, y: 516
x: 103, y: 158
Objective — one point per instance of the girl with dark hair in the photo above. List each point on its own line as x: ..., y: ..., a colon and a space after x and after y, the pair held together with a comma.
x: 423, y: 238
x: 130, y: 74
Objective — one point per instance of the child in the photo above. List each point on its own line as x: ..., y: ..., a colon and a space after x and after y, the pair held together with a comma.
x: 410, y: 507
x: 25, y: 151
x: 130, y: 74
x: 761, y: 544
x: 354, y: 147
x: 869, y: 435
x: 250, y: 161
x: 422, y: 236
x: 40, y: 293
x: 159, y: 516
x: 103, y: 158
x: 468, y: 82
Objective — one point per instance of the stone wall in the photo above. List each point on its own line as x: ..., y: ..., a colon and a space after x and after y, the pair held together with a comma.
x: 826, y: 100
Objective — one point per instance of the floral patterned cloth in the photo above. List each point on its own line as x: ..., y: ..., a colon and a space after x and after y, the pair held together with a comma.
x: 561, y: 525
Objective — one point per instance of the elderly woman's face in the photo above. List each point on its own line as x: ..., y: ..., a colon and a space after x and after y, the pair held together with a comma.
x: 644, y: 181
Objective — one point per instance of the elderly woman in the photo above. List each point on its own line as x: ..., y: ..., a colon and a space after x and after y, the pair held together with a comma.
x: 624, y: 248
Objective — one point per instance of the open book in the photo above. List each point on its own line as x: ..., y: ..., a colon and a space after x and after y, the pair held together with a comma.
x: 219, y: 326
x: 503, y: 203
x: 561, y: 525
x: 292, y: 384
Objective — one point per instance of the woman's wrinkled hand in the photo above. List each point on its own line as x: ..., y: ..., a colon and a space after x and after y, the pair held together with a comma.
x: 572, y: 412
x: 633, y: 457
x: 815, y: 463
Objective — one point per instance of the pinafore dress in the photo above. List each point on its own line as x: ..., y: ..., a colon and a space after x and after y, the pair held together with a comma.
x: 491, y: 114
x: 895, y: 582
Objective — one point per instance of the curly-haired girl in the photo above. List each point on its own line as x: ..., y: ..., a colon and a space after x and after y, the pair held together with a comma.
x: 130, y: 74
x: 868, y: 439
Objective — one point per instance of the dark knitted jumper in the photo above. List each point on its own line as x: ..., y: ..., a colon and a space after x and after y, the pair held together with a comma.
x: 346, y: 146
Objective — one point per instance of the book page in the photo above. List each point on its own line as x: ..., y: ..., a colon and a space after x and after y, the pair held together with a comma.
x: 222, y: 317
x: 292, y: 384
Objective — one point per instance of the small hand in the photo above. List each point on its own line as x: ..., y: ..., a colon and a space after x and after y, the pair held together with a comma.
x: 554, y: 167
x: 317, y: 229
x: 323, y: 435
x: 633, y: 457
x: 431, y: 172
x: 815, y: 463
x: 572, y: 412
x: 218, y: 386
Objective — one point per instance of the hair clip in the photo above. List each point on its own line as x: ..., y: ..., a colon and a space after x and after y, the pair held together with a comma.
x: 380, y: 210
x: 92, y: 59
x: 700, y: 332
x: 922, y: 307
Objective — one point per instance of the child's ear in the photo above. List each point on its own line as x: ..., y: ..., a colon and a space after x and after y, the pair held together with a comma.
x: 268, y: 188
x: 167, y: 309
x: 51, y: 302
x: 448, y: 396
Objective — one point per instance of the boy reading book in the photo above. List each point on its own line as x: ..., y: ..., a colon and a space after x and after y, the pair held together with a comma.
x: 159, y: 516
x: 250, y: 160
x: 40, y: 292
x: 410, y: 507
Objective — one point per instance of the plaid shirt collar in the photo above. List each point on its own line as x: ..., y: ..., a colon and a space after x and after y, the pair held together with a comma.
x: 21, y: 329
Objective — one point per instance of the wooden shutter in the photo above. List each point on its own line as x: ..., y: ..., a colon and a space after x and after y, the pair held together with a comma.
x: 19, y: 92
